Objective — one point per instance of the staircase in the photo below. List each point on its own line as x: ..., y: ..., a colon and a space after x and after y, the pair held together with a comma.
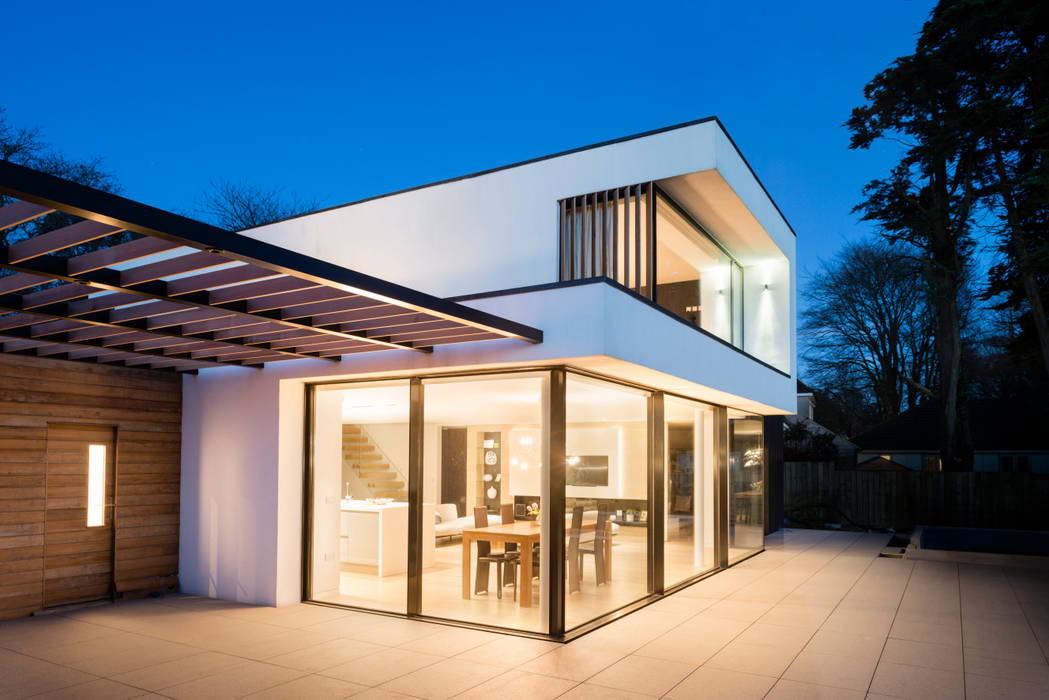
x: 371, y: 466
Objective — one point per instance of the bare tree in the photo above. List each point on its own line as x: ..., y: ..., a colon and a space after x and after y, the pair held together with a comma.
x: 27, y: 147
x: 238, y: 206
x: 867, y: 327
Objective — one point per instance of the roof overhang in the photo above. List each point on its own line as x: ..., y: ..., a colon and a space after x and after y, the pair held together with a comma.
x: 710, y: 199
x: 185, y: 295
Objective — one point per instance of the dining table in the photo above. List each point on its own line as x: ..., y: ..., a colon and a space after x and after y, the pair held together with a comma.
x: 526, y: 534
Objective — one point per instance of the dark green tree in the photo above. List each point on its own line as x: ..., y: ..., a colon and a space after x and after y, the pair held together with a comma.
x: 928, y: 202
x: 999, y: 50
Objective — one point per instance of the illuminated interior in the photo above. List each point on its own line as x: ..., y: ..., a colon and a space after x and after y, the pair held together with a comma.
x: 484, y: 549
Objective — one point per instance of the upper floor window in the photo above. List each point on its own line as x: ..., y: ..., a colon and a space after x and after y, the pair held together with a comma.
x: 617, y: 234
x: 662, y: 253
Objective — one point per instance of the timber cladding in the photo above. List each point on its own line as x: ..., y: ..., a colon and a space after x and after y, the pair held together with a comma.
x: 144, y: 409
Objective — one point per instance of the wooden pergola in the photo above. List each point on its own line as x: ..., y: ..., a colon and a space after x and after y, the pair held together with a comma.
x: 182, y: 295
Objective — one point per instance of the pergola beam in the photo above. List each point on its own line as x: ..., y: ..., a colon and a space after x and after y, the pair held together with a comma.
x: 20, y: 212
x: 65, y: 237
x: 49, y: 191
x: 114, y: 319
x: 156, y: 289
x: 62, y: 339
x: 199, y: 291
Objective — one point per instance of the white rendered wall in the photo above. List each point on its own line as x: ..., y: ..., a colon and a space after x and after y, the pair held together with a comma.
x: 499, y: 230
x: 242, y: 428
x: 766, y: 313
x: 228, y: 539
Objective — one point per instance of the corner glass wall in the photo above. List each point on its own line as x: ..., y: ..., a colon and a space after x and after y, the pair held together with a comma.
x: 359, y: 535
x: 746, y: 480
x: 688, y: 547
x: 606, y: 498
x: 483, y: 472
x: 465, y: 462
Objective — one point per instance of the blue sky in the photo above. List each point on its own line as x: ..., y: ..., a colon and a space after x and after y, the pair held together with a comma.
x: 340, y: 101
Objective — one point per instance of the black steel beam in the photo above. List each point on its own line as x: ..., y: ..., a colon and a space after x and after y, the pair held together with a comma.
x: 554, y: 505
x: 656, y: 491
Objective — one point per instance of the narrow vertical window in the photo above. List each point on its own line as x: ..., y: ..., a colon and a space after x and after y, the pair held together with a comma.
x: 96, y: 485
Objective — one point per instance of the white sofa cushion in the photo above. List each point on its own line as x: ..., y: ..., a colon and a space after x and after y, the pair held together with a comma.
x: 454, y: 526
x: 446, y: 513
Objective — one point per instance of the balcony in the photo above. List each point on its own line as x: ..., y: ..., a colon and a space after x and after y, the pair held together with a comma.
x: 740, y: 296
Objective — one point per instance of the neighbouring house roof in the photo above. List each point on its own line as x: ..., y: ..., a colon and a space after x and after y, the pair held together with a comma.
x: 880, y: 464
x: 994, y: 425
x: 842, y: 443
x: 182, y: 295
x: 804, y: 388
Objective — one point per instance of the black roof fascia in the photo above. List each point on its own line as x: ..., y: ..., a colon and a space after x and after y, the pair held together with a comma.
x: 539, y: 159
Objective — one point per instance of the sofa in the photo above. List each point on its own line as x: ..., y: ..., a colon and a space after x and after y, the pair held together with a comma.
x: 447, y: 522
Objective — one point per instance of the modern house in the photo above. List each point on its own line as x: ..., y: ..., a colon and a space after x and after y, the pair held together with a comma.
x: 1005, y: 438
x: 529, y: 399
x: 805, y: 415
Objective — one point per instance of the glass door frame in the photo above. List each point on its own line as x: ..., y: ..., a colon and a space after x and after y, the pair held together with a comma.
x: 553, y: 496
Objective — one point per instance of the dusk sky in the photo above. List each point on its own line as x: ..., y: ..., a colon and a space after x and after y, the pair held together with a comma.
x: 336, y: 102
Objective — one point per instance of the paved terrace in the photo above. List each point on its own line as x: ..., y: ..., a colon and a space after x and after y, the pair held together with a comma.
x: 818, y: 615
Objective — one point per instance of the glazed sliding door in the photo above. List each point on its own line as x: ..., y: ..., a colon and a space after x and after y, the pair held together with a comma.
x: 359, y: 528
x: 746, y: 481
x: 483, y: 447
x: 606, y: 495
x: 688, y: 547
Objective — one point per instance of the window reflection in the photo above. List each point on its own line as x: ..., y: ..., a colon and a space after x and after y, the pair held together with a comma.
x: 696, y: 280
x: 688, y: 547
x: 746, y: 466
x: 607, y: 508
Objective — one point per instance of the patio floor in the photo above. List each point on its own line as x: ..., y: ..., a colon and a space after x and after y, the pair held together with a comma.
x: 818, y: 615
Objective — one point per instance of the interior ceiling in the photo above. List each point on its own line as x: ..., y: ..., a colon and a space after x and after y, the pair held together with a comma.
x: 506, y: 401
x: 708, y: 198
x: 162, y: 291
x: 515, y: 399
x: 683, y: 255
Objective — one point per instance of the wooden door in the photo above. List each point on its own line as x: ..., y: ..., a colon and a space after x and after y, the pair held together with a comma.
x: 78, y: 523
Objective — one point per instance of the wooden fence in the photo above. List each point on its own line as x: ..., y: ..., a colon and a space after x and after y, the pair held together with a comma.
x: 816, y: 493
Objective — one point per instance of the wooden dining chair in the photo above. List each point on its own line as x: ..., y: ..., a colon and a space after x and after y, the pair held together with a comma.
x: 596, y: 547
x: 506, y: 516
x: 512, y: 549
x: 575, y: 559
x: 486, y: 557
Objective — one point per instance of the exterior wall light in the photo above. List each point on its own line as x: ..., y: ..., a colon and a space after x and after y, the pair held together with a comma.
x: 96, y: 485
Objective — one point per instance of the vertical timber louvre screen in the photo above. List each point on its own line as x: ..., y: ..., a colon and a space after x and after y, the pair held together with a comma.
x: 610, y: 233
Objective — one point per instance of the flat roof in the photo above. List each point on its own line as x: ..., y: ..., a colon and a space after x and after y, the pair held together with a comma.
x: 559, y: 154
